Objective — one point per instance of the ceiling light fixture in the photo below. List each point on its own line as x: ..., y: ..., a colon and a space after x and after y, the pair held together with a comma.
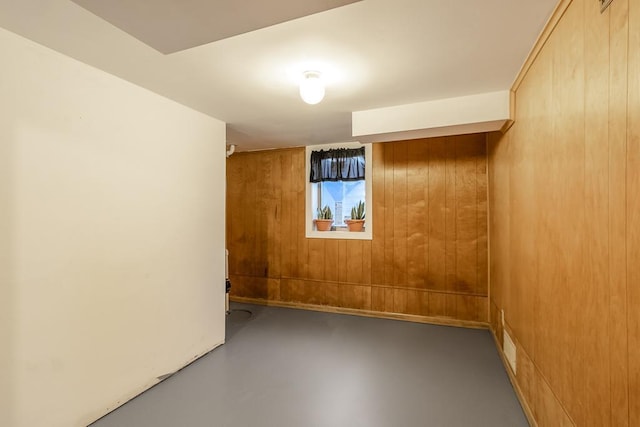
x: 312, y: 87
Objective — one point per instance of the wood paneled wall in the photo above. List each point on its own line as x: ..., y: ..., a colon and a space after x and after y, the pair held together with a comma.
x: 428, y: 255
x: 565, y: 221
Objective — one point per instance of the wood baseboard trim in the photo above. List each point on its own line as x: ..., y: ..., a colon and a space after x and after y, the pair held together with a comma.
x: 507, y: 125
x: 523, y: 402
x: 365, y: 313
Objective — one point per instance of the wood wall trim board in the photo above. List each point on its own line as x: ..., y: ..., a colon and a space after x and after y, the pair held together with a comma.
x: 514, y: 382
x: 551, y: 24
x: 507, y: 125
x: 382, y: 286
x: 362, y: 297
x: 373, y: 286
x: 512, y: 108
x: 365, y: 313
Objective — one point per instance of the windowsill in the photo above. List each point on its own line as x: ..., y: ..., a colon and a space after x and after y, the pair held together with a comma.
x: 339, y: 234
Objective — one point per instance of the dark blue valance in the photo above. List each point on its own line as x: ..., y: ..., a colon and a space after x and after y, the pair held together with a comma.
x: 340, y: 164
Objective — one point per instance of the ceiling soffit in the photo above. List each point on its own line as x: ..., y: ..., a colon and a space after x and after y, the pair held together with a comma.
x: 173, y: 25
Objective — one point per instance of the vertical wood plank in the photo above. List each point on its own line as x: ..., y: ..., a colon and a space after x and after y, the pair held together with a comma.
x: 466, y: 224
x: 354, y: 261
x: 314, y: 292
x: 400, y: 213
x: 366, y: 261
x: 499, y: 229
x: 249, y: 253
x: 594, y: 341
x: 450, y: 219
x: 558, y: 168
x: 549, y: 410
x: 417, y: 302
x: 273, y: 289
x: 301, y: 267
x: 261, y: 215
x: 331, y: 260
x: 332, y: 297
x: 316, y: 266
x: 292, y: 290
x: 400, y: 300
x: 377, y: 299
x: 235, y: 228
x: 482, y: 244
x: 286, y: 209
x: 618, y: 347
x: 633, y: 212
x: 470, y: 307
x: 342, y: 260
x: 568, y: 173
x: 442, y: 304
x: 389, y: 256
x: 273, y: 214
x: 436, y: 274
x: 540, y: 255
x: 379, y: 210
x: 526, y: 374
x: 417, y: 214
x: 292, y: 225
x: 295, y: 187
x: 388, y: 300
x: 426, y: 221
x: 355, y: 296
x: 300, y: 184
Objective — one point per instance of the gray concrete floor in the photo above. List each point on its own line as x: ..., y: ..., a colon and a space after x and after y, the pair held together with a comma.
x: 294, y: 368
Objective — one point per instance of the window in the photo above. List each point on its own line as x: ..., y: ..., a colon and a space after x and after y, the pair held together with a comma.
x: 341, y: 175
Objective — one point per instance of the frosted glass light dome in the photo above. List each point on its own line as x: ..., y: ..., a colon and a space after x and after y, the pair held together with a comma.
x: 312, y: 88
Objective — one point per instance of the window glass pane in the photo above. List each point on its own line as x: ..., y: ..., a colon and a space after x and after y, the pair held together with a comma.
x: 340, y: 196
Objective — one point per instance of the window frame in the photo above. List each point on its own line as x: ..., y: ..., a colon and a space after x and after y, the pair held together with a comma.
x: 367, y: 234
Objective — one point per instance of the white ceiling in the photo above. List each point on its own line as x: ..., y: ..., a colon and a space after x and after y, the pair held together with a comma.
x: 373, y: 53
x: 170, y: 26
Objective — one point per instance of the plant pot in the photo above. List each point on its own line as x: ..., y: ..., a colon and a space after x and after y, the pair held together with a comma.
x: 323, y: 224
x: 355, y: 224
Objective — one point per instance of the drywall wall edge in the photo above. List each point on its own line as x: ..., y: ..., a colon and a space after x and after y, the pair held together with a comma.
x: 132, y: 395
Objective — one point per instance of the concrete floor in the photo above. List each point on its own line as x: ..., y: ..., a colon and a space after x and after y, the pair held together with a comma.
x: 295, y: 368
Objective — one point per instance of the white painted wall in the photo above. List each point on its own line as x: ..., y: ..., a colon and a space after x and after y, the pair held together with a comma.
x: 111, y: 237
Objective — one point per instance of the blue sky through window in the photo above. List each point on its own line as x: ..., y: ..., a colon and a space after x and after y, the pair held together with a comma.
x: 341, y: 196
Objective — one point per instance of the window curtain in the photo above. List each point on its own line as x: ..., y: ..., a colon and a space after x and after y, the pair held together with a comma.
x: 341, y: 164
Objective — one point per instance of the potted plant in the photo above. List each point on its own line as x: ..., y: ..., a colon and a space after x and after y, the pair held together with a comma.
x: 356, y: 223
x: 325, y: 219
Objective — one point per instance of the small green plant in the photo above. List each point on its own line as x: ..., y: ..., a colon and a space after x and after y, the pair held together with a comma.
x: 357, y: 212
x: 325, y: 213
